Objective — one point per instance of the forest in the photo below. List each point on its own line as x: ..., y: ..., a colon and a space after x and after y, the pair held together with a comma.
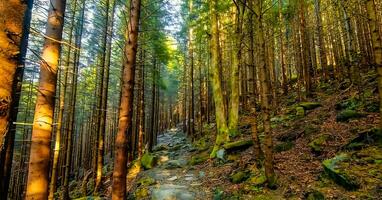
x: 190, y: 99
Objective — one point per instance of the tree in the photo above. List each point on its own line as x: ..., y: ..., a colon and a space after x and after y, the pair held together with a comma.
x: 38, y: 175
x: 377, y: 45
x: 126, y: 103
x: 14, y: 36
x: 221, y: 123
x: 265, y: 94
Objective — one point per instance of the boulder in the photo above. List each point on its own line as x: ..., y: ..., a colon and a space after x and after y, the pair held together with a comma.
x: 284, y: 146
x: 141, y: 193
x: 333, y: 168
x: 314, y: 195
x: 317, y: 144
x: 148, y: 161
x: 146, y: 181
x: 161, y: 147
x: 239, y: 177
x: 170, y: 192
x: 372, y: 136
x: 173, y: 164
x: 346, y: 115
x: 197, y: 159
x: 309, y: 105
x: 238, y: 145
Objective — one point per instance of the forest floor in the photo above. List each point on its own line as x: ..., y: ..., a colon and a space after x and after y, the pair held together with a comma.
x: 328, y: 151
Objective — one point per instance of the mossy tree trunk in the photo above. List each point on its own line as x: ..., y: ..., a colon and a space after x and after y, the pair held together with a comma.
x: 220, y: 113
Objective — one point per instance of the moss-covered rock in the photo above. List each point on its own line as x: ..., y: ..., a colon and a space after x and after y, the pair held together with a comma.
x: 238, y: 145
x: 148, y: 161
x: 346, y: 115
x: 284, y: 146
x: 257, y: 180
x: 372, y: 136
x: 197, y: 159
x: 239, y: 177
x: 333, y: 169
x: 300, y: 112
x: 141, y: 193
x: 317, y: 144
x: 309, y: 105
x: 314, y: 195
x: 161, y: 147
x: 146, y: 181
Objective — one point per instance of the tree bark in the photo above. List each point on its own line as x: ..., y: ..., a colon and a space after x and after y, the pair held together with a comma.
x: 38, y: 175
x: 14, y: 34
x: 126, y: 104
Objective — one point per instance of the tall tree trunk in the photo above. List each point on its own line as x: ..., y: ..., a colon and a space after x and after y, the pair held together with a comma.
x: 220, y: 113
x: 38, y: 174
x: 14, y: 34
x: 377, y: 45
x: 126, y: 107
x: 265, y: 101
x: 104, y: 93
x: 60, y: 118
x: 191, y: 118
x: 321, y: 41
x: 238, y: 41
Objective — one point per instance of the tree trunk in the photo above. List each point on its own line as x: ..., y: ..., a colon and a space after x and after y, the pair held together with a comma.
x: 15, y: 33
x: 377, y: 45
x: 126, y: 104
x: 222, y: 129
x: 38, y: 175
x: 265, y: 101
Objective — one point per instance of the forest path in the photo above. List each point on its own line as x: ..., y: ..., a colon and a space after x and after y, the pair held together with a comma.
x: 174, y: 178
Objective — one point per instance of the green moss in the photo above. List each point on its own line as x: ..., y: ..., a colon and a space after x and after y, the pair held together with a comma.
x: 314, y: 195
x: 141, y: 193
x: 335, y: 172
x: 148, y: 161
x: 258, y: 180
x: 197, y: 159
x: 300, y: 112
x: 347, y: 115
x: 309, y: 105
x: 284, y: 146
x: 317, y: 144
x: 146, y: 181
x: 239, y: 177
x: 238, y: 145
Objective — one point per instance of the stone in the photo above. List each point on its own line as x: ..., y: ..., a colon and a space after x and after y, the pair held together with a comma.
x: 239, y: 177
x: 146, y: 181
x: 238, y: 145
x: 173, y: 164
x: 141, y: 193
x: 332, y: 168
x: 197, y: 159
x: 317, y: 144
x: 314, y: 195
x: 346, y: 115
x: 172, y: 178
x: 257, y: 180
x: 284, y: 146
x: 220, y: 154
x: 161, y: 147
x: 148, y: 161
x: 372, y: 136
x: 309, y: 105
x: 171, y: 192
